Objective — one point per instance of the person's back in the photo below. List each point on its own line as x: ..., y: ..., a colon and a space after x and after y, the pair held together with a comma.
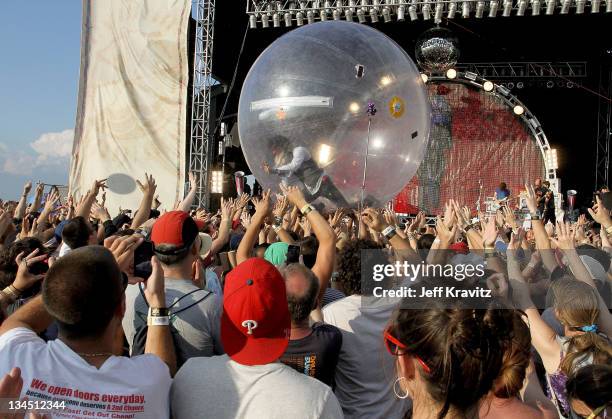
x: 139, y: 385
x: 234, y: 390
x: 250, y: 382
x: 83, y: 293
x: 364, y: 370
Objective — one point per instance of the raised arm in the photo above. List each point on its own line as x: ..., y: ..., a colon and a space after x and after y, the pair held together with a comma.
x: 159, y: 338
x: 144, y: 210
x: 227, y: 212
x: 187, y: 202
x: 326, y: 254
x: 40, y: 188
x: 262, y: 209
x: 20, y: 209
x: 84, y: 207
x: 541, y: 237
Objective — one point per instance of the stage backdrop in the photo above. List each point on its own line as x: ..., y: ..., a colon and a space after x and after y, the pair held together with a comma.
x: 474, y: 137
x: 131, y: 115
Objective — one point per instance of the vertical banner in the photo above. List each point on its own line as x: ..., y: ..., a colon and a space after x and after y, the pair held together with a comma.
x: 131, y: 115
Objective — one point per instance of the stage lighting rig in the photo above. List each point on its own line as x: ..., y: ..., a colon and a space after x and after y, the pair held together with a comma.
x: 493, y: 5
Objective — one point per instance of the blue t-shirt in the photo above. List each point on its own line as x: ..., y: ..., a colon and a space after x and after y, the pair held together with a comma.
x: 501, y: 193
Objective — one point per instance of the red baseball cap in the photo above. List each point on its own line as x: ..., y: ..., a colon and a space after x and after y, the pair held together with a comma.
x: 256, y: 324
x: 176, y: 228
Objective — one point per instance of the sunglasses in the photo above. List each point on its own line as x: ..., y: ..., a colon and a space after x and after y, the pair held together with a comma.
x: 396, y: 348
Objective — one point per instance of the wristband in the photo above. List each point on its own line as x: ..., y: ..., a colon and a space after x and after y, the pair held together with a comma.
x: 158, y: 312
x: 7, y: 296
x: 489, y: 253
x: 306, y: 209
x: 468, y: 228
x: 158, y: 321
x: 389, y: 232
x: 12, y: 291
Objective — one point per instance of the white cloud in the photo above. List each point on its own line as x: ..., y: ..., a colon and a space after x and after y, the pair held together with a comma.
x: 51, y: 150
x: 53, y: 147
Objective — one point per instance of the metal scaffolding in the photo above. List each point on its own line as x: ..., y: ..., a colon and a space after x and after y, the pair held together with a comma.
x: 604, y: 125
x: 274, y: 13
x: 199, y: 144
x: 527, y: 70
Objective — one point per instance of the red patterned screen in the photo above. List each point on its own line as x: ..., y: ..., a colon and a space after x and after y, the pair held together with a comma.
x: 475, y: 137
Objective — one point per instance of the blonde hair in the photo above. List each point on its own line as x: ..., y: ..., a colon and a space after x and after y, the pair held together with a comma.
x: 577, y: 305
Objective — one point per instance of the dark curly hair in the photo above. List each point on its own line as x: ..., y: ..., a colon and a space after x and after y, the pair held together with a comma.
x: 349, y: 265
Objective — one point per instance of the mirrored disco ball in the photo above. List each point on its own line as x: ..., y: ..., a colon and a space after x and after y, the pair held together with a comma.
x: 329, y: 102
x: 437, y: 50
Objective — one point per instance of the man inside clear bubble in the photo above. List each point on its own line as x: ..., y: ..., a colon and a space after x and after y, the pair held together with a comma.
x: 303, y: 168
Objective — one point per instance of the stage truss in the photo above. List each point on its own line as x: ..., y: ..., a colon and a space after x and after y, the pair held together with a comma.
x: 200, y: 141
x: 274, y: 13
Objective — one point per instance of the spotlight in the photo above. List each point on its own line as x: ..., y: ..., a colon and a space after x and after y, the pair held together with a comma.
x: 374, y: 15
x: 401, y: 13
x: 507, y: 8
x: 348, y: 15
x: 535, y: 7
x: 480, y: 9
x: 424, y: 77
x: 608, y: 6
x: 595, y: 6
x: 385, y: 80
x: 323, y: 15
x: 465, y: 10
x: 413, y: 13
x: 310, y: 16
x: 520, y: 85
x: 287, y: 19
x: 521, y: 8
x: 426, y: 10
x: 386, y: 14
x: 324, y: 154
x: 451, y: 73
x: 493, y: 8
x: 487, y: 86
x: 550, y: 84
x: 223, y: 129
x: 565, y: 5
x: 439, y: 11
x: 354, y: 107
x: 276, y: 20
x: 336, y: 14
x: 580, y: 6
x: 518, y: 110
x: 510, y: 85
x: 550, y: 6
x: 265, y: 20
x: 299, y: 17
x: 551, y: 157
x: 452, y: 9
x: 570, y: 85
x: 361, y: 16
x: 253, y: 22
x: 217, y: 181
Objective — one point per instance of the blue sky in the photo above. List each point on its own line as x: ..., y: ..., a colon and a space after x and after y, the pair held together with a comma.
x: 39, y: 75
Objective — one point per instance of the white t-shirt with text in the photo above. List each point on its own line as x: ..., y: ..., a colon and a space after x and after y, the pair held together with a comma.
x: 130, y: 388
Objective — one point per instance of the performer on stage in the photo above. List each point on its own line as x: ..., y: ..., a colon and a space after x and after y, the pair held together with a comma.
x: 303, y: 168
x: 502, y: 193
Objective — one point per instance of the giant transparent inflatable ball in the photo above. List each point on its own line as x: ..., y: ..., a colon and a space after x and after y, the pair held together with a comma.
x: 330, y: 106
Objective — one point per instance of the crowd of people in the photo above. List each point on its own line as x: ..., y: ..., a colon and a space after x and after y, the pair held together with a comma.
x: 264, y: 309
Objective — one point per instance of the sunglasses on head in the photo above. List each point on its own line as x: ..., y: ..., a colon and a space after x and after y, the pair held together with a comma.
x: 397, y: 348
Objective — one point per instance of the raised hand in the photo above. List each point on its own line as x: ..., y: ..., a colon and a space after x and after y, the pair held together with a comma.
x: 262, y: 206
x: 149, y: 186
x: 374, y: 219
x: 498, y: 284
x: 24, y: 279
x: 445, y: 234
x: 566, y: 238
x: 52, y: 199
x: 294, y: 194
x: 336, y: 218
x: 193, y: 181
x: 516, y: 238
x: 27, y: 188
x: 449, y: 214
x: 489, y: 235
x: 242, y: 201
x: 600, y: 214
x: 280, y: 207
x: 530, y: 199
x: 390, y: 217
x: 226, y: 208
x: 99, y: 212
x: 154, y: 290
x: 123, y: 249
x: 509, y: 217
x: 97, y: 185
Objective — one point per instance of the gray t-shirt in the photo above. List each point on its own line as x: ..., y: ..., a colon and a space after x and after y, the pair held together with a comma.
x: 220, y: 388
x: 198, y: 327
x: 366, y: 371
